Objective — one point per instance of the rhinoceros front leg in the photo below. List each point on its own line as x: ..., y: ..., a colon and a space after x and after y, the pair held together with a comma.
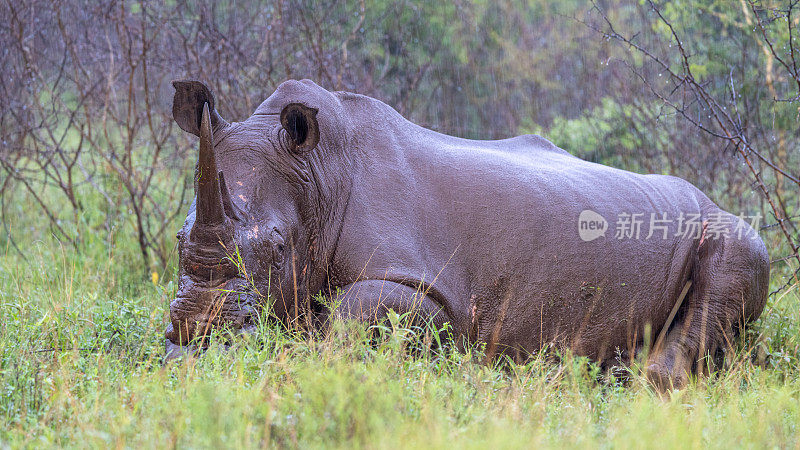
x: 370, y: 301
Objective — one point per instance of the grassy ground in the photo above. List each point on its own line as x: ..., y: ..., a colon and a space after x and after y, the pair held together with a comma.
x: 81, y: 366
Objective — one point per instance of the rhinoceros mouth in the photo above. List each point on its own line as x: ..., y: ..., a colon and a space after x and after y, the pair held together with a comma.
x: 193, y: 320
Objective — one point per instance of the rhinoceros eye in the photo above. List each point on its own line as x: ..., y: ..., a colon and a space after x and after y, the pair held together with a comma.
x: 276, y: 240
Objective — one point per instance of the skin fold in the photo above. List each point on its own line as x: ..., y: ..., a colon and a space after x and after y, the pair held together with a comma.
x: 337, y: 193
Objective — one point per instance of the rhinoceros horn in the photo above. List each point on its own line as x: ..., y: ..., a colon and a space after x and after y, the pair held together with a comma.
x: 210, y: 209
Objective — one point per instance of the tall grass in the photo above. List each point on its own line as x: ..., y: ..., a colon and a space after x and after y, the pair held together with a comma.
x: 81, y: 349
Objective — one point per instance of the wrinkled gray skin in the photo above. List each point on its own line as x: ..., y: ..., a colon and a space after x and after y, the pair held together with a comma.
x: 323, y: 190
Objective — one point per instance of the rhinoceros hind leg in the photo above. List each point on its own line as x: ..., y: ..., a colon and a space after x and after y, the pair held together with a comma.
x: 730, y: 283
x: 670, y: 368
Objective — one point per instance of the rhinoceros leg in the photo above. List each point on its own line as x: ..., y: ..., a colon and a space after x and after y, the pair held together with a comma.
x: 730, y: 283
x: 370, y: 300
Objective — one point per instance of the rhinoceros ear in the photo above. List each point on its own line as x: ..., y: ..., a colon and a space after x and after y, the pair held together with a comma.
x: 187, y: 106
x: 300, y: 122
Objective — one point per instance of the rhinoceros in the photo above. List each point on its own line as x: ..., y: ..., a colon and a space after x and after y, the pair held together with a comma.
x: 509, y: 241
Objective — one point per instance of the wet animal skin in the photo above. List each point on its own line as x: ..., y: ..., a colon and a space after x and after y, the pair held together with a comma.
x: 337, y: 192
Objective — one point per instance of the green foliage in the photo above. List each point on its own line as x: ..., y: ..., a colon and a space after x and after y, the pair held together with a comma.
x: 602, y: 135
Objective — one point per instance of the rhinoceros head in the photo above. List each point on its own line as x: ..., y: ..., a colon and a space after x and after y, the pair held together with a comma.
x: 251, y: 237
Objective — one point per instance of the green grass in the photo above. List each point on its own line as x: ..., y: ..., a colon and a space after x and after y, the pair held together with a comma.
x: 81, y: 366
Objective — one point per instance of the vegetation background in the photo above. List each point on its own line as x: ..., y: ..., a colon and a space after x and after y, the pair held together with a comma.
x: 95, y: 178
